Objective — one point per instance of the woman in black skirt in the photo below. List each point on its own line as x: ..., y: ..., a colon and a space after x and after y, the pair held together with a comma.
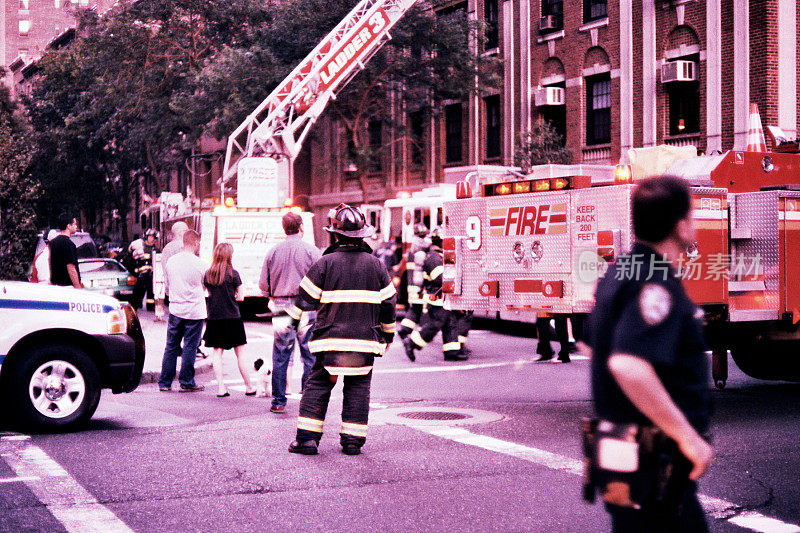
x: 224, y: 326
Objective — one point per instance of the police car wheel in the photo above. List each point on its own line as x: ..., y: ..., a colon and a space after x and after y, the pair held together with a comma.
x: 57, y: 387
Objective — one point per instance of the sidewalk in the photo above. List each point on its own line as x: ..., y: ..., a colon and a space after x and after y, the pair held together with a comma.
x: 259, y: 344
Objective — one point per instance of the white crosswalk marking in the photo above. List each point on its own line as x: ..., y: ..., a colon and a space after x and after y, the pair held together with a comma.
x: 716, y: 507
x: 71, y: 504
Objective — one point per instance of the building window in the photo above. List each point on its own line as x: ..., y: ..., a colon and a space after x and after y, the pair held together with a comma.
x: 493, y: 131
x: 23, y: 4
x: 24, y: 27
x: 552, y: 7
x: 556, y: 115
x: 594, y: 9
x: 416, y: 126
x: 490, y: 10
x: 684, y: 108
x: 598, y: 109
x: 454, y: 133
x: 375, y: 131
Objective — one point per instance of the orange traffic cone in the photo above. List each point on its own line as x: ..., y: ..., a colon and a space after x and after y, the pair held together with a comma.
x: 755, y: 133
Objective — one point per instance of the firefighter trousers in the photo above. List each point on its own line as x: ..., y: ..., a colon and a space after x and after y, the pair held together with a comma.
x: 314, y: 405
x: 439, y: 319
x: 464, y: 324
x: 410, y: 321
x: 144, y: 285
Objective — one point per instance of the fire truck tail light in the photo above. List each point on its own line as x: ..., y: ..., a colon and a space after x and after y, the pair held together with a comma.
x: 541, y: 185
x: 503, y: 188
x: 605, y: 238
x: 490, y: 288
x: 623, y: 174
x: 449, y: 257
x: 448, y: 286
x: 522, y: 187
x: 606, y: 254
x: 553, y: 289
x: 449, y: 243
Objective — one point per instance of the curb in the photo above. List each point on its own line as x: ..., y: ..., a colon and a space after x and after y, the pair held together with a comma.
x: 201, y: 366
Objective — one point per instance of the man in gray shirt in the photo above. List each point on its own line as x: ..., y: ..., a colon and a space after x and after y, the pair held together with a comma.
x: 284, y: 267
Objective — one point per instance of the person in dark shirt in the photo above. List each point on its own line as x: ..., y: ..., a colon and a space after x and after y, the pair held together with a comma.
x: 224, y: 326
x: 64, y: 254
x: 649, y: 365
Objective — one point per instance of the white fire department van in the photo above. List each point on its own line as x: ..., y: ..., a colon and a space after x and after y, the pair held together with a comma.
x: 60, y: 346
x: 251, y: 232
x: 536, y: 245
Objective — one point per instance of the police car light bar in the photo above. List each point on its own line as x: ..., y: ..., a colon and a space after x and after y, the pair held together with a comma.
x: 537, y: 185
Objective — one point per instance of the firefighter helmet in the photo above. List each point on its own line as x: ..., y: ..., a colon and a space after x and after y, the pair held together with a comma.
x: 151, y: 233
x: 420, y: 229
x: 349, y: 221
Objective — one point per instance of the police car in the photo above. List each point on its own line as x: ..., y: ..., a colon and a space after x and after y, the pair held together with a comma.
x: 60, y: 346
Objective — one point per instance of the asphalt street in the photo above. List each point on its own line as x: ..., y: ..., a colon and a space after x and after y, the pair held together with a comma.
x: 490, y: 444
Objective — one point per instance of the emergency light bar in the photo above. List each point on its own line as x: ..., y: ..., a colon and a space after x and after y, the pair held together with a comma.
x: 537, y: 185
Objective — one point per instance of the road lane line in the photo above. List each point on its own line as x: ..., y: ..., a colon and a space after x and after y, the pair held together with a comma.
x: 18, y: 479
x: 71, y: 504
x: 450, y: 368
x: 715, y: 507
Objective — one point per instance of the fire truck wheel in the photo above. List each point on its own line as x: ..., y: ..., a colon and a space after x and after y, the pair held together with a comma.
x: 56, y: 386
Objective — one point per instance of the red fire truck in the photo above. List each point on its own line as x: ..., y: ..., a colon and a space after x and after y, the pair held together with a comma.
x: 536, y: 245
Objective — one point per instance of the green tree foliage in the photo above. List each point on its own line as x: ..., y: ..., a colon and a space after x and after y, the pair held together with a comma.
x: 118, y: 110
x: 18, y: 193
x: 540, y: 146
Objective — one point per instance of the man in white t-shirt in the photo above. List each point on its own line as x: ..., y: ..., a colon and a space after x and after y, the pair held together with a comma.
x: 41, y: 264
x: 184, y: 274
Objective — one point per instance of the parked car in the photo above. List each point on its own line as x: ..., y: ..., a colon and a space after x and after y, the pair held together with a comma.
x: 83, y: 241
x: 107, y: 276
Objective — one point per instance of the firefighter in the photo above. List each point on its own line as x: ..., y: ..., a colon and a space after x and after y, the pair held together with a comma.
x: 464, y: 319
x: 355, y: 300
x: 143, y: 268
x: 415, y: 279
x: 439, y: 318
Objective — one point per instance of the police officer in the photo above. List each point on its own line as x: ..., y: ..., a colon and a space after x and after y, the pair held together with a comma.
x: 144, y: 271
x: 415, y: 278
x: 649, y: 365
x: 355, y: 300
x: 439, y: 318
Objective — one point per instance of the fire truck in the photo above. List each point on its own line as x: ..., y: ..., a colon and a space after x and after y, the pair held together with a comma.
x: 536, y: 245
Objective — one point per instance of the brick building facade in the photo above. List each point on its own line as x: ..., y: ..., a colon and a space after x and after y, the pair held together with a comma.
x: 609, y: 75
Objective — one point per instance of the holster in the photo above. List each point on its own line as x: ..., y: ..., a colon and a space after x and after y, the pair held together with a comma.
x: 632, y: 465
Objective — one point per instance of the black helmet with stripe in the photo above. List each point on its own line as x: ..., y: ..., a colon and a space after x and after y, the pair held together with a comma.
x: 349, y: 221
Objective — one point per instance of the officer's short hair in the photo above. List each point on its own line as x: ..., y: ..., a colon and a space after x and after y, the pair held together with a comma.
x: 658, y: 205
x: 65, y: 219
x: 291, y: 223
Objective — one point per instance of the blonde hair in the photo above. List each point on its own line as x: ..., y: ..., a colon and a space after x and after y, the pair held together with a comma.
x: 220, y: 264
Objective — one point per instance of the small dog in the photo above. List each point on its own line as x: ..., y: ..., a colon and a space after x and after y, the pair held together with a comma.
x: 263, y: 378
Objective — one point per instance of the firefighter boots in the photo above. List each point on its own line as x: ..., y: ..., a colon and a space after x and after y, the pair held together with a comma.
x: 409, y: 348
x: 307, y: 447
x: 351, y: 449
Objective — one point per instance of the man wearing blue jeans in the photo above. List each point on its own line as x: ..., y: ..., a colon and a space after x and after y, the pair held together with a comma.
x: 184, y: 274
x: 283, y: 347
x: 284, y: 267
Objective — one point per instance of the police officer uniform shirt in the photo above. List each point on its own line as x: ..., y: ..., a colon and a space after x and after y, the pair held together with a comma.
x: 653, y: 319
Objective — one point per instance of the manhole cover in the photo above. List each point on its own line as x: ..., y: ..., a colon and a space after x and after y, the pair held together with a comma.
x: 433, y: 415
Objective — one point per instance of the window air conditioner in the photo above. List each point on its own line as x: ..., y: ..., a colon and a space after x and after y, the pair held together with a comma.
x: 680, y: 70
x: 549, y: 96
x: 549, y: 22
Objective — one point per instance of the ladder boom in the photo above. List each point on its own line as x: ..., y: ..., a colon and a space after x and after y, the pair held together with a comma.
x: 295, y: 104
